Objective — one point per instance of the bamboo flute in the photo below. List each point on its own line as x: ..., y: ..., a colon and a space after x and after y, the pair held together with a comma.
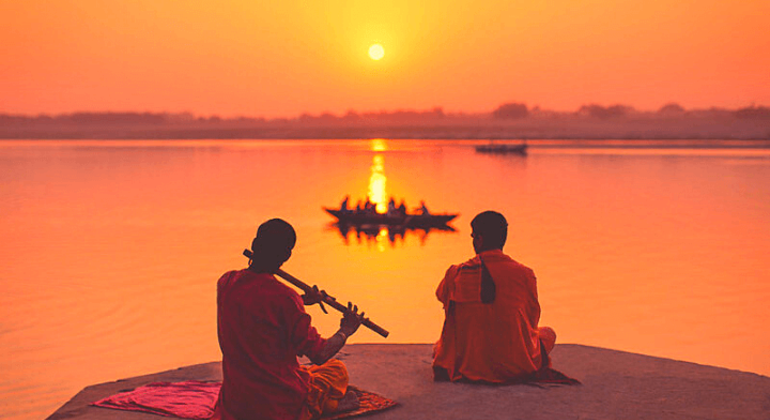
x: 329, y: 300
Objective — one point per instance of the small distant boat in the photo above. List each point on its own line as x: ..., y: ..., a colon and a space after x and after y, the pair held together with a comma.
x: 360, y: 218
x: 502, y: 149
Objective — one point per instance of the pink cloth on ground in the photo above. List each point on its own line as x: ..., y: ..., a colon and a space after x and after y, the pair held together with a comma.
x: 195, y: 400
x: 188, y: 400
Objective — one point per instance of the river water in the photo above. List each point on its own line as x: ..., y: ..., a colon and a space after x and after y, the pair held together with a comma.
x: 111, y: 249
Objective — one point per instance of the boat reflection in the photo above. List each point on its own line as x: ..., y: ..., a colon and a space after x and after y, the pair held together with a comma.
x: 378, y: 235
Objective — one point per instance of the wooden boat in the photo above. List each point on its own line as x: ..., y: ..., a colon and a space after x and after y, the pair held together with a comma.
x: 518, y: 149
x: 359, y: 218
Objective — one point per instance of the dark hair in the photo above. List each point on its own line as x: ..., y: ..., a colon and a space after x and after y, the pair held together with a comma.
x: 273, y: 244
x: 493, y: 227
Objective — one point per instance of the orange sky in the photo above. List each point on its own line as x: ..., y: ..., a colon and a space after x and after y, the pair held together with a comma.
x: 267, y: 58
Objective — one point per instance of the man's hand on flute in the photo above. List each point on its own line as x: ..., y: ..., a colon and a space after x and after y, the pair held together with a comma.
x: 313, y: 296
x: 349, y: 324
x: 351, y: 320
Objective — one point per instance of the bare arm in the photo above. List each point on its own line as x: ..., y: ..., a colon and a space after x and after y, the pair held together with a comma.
x: 348, y: 326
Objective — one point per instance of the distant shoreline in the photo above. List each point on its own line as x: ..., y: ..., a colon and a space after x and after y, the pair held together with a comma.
x: 589, y: 123
x: 580, y: 141
x: 392, y: 133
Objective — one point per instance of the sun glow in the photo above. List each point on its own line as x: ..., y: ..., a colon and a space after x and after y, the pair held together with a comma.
x: 376, y: 52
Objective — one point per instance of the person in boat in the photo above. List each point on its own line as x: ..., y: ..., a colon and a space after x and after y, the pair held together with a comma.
x: 423, y: 209
x: 402, y: 208
x: 263, y: 328
x: 344, y: 204
x: 491, y: 310
x: 392, y: 208
x: 371, y: 207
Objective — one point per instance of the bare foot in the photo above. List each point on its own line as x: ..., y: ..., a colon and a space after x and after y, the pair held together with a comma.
x: 349, y: 402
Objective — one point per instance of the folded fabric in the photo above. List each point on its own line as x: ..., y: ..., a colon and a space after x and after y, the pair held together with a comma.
x: 187, y: 400
x: 196, y: 400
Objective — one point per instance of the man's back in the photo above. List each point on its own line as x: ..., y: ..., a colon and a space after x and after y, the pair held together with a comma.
x: 492, y: 342
x: 262, y: 327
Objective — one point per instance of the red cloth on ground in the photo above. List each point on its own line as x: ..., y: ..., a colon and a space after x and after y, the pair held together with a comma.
x: 195, y: 400
x: 189, y: 399
x: 262, y: 327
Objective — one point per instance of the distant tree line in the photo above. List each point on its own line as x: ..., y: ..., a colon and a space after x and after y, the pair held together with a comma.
x: 511, y: 111
x: 754, y: 112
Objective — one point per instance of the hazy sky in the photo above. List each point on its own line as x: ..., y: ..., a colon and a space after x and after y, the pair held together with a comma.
x: 282, y: 58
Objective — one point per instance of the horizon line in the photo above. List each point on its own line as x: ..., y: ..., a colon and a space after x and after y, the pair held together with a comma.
x: 672, y: 105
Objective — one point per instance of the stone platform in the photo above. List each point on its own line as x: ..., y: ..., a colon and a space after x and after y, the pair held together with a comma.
x: 616, y: 385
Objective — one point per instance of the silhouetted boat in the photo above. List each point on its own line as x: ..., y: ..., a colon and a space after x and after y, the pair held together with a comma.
x: 518, y: 149
x: 358, y: 218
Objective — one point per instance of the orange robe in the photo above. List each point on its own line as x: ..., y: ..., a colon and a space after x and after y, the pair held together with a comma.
x: 495, y: 342
x: 328, y: 384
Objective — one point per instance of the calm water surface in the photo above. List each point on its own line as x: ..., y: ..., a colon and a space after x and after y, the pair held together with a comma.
x: 111, y: 249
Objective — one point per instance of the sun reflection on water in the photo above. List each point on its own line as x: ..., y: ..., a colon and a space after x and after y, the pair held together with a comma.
x: 377, y: 181
x: 382, y: 238
x: 379, y: 145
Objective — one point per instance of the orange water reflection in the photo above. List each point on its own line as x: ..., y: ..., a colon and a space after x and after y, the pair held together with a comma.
x: 112, y: 249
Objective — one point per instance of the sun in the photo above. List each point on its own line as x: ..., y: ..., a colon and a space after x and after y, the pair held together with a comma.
x: 376, y: 52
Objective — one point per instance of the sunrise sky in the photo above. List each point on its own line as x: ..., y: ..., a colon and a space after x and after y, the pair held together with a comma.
x: 271, y: 58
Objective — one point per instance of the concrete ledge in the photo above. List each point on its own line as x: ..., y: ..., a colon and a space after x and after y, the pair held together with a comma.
x: 616, y: 385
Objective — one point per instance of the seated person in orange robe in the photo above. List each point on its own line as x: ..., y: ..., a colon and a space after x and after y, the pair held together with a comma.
x: 263, y: 328
x: 491, y: 310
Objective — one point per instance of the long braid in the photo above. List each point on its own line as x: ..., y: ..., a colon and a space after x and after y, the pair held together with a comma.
x: 488, y: 286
